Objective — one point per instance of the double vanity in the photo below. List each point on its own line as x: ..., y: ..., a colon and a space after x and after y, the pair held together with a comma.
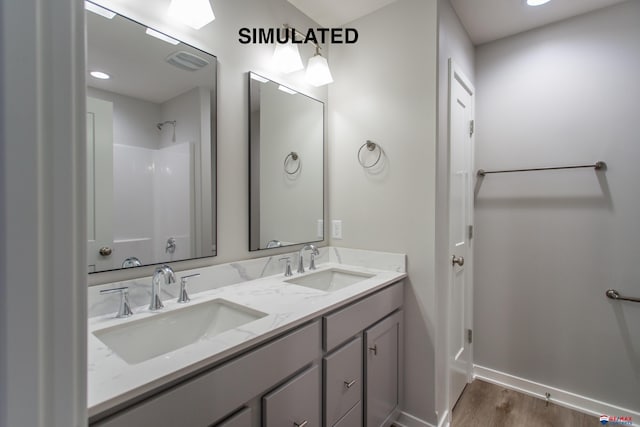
x: 242, y: 344
x: 319, y: 348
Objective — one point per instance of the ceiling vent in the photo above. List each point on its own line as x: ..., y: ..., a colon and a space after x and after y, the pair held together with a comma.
x: 186, y: 61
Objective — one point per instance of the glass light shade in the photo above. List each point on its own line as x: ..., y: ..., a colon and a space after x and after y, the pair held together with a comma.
x: 318, y: 73
x: 194, y: 13
x: 287, y: 58
x: 537, y: 2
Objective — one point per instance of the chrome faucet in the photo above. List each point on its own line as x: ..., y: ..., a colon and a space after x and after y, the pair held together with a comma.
x: 169, y: 277
x: 312, y: 262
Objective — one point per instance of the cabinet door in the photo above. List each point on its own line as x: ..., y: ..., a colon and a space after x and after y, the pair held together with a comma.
x: 342, y: 381
x: 382, y: 369
x: 240, y: 419
x: 296, y: 403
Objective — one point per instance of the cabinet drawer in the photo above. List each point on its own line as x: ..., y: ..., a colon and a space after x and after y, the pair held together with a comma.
x: 352, y: 419
x: 214, y: 394
x: 343, y: 380
x: 241, y: 419
x: 347, y: 322
x: 296, y: 403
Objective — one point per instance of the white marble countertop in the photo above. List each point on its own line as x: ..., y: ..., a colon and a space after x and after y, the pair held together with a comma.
x: 112, y: 381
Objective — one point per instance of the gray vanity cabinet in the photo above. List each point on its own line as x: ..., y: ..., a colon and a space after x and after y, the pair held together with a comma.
x: 382, y: 367
x: 296, y: 403
x: 240, y: 419
x: 340, y: 370
x: 372, y: 358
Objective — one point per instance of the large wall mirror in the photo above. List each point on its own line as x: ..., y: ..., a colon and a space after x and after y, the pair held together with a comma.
x: 151, y: 138
x: 286, y: 166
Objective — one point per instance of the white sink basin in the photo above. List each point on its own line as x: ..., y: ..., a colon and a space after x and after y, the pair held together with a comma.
x: 330, y: 280
x: 140, y: 340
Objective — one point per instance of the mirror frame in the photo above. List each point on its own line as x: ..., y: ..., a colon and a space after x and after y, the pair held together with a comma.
x: 115, y: 274
x: 254, y: 179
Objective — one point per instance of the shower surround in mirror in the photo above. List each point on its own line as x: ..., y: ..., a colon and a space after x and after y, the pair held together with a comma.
x: 151, y: 147
x: 286, y: 166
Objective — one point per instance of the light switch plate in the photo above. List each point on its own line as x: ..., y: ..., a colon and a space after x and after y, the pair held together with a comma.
x: 336, y: 229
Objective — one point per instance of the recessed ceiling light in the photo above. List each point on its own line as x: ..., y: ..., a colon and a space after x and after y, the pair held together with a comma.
x: 161, y: 36
x: 537, y: 2
x: 100, y: 75
x: 99, y: 10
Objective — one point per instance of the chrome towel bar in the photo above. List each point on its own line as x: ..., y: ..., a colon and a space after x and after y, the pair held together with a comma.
x: 597, y: 166
x: 613, y: 294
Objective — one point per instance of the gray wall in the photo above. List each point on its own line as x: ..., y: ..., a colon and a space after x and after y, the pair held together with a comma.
x: 385, y: 91
x: 550, y: 243
x: 454, y: 44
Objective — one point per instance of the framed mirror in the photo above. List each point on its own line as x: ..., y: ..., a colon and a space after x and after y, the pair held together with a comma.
x: 151, y: 145
x: 286, y: 166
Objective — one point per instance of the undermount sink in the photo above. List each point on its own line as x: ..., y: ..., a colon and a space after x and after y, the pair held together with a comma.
x: 330, y: 280
x: 140, y: 340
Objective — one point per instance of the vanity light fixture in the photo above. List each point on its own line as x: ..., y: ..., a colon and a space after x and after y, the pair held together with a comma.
x: 537, y: 2
x: 318, y: 73
x: 100, y: 75
x: 99, y: 10
x: 194, y: 13
x: 287, y: 58
x: 159, y: 35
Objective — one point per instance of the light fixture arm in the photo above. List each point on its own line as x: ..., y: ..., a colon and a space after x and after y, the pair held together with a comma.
x: 296, y: 32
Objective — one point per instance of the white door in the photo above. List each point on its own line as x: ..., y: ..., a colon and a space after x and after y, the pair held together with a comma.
x: 99, y: 184
x: 461, y: 125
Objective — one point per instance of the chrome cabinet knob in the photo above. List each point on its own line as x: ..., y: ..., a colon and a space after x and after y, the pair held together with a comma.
x: 349, y: 384
x: 105, y: 251
x: 457, y: 260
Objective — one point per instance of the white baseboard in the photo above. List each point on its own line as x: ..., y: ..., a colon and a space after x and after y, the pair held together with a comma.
x: 444, y: 421
x: 560, y: 397
x: 408, y: 420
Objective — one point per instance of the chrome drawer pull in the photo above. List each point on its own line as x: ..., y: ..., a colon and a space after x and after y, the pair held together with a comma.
x: 302, y: 424
x: 349, y: 384
x: 374, y: 349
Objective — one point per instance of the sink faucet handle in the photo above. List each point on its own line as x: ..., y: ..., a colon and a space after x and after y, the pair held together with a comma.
x: 287, y: 266
x: 312, y: 260
x: 183, y: 296
x: 124, y: 310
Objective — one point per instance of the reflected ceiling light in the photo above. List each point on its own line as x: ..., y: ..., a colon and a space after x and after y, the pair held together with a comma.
x: 318, y: 73
x: 194, y: 13
x: 100, y: 75
x: 287, y: 90
x: 287, y: 58
x: 258, y: 78
x: 537, y: 2
x: 99, y: 10
x: 159, y: 35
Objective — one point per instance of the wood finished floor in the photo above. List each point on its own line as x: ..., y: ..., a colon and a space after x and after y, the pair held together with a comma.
x: 488, y: 405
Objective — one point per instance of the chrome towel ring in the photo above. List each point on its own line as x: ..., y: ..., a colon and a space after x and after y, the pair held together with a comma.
x: 294, y: 157
x: 371, y: 146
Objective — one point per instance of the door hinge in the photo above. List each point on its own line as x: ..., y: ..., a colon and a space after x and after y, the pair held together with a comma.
x: 469, y: 336
x: 470, y: 232
x: 472, y: 125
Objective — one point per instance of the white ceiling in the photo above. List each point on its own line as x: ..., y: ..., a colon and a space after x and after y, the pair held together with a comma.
x: 335, y: 13
x: 487, y: 20
x: 484, y: 20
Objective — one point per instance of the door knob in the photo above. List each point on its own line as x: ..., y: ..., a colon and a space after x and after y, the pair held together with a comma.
x: 457, y: 260
x: 105, y: 251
